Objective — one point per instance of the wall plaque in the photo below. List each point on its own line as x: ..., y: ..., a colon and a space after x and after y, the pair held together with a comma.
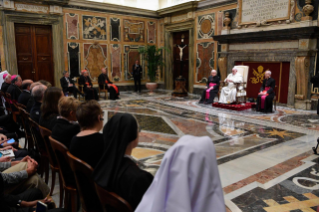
x: 31, y: 8
x: 256, y: 11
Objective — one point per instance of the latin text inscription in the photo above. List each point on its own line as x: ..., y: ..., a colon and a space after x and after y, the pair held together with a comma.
x: 264, y: 10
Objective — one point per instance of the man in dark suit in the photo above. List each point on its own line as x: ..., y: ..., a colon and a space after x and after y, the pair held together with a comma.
x: 26, y: 94
x: 14, y: 88
x: 37, y: 93
x: 137, y: 74
x: 67, y: 85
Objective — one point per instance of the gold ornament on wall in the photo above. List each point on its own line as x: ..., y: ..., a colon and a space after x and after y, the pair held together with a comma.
x: 259, y: 75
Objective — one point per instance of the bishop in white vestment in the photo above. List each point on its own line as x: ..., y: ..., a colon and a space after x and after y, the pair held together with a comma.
x: 228, y: 93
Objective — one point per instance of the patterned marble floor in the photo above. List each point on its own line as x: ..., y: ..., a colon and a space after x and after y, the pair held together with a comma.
x: 265, y: 161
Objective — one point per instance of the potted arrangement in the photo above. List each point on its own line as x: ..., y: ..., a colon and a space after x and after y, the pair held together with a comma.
x: 154, y: 58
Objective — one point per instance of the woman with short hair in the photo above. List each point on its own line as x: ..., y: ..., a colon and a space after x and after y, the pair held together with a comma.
x: 88, y: 144
x: 66, y: 125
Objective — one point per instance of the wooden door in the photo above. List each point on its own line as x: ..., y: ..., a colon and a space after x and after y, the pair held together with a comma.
x: 34, y: 52
x: 178, y: 66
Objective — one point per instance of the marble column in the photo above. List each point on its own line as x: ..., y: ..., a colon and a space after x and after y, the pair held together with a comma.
x: 222, y: 64
x: 302, y: 65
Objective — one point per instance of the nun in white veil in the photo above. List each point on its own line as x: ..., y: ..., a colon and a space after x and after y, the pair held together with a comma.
x: 187, y: 181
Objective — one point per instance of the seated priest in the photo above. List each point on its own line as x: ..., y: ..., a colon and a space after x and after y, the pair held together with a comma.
x: 14, y: 88
x: 67, y: 85
x: 267, y: 94
x: 7, y: 82
x: 212, y: 89
x: 85, y: 81
x: 228, y: 93
x: 112, y: 88
x: 26, y: 92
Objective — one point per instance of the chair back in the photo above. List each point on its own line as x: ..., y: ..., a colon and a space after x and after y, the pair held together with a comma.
x: 24, y: 115
x: 243, y: 70
x: 85, y: 184
x: 36, y: 136
x: 60, y: 151
x: 113, y: 200
x: 45, y: 134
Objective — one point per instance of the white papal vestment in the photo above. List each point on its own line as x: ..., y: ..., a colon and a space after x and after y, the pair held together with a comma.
x: 228, y: 93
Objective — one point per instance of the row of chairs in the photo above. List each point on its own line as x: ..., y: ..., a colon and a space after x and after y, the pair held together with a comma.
x: 56, y: 156
x: 101, y: 90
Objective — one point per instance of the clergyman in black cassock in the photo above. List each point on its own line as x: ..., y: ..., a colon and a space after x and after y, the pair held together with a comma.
x: 14, y: 88
x: 211, y: 91
x: 67, y: 85
x: 90, y: 92
x: 116, y: 171
x: 112, y: 88
x: 267, y: 93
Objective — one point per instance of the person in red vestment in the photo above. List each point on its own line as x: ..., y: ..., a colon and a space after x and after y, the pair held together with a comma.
x: 112, y: 88
x: 266, y: 94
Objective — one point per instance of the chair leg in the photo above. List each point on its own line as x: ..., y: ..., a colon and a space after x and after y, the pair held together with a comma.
x: 47, y: 171
x: 53, y: 181
x: 61, y: 190
x: 74, y: 197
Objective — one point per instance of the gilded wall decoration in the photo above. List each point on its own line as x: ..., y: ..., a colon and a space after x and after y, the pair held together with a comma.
x: 134, y: 31
x: 74, y: 59
x: 205, y: 26
x: 299, y: 10
x: 205, y: 61
x: 95, y: 57
x: 151, y: 32
x: 130, y: 56
x: 116, y: 71
x: 258, y: 75
x: 94, y: 28
x: 115, y: 29
x: 72, y: 26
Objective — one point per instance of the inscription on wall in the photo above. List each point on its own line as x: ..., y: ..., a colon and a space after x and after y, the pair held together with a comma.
x: 253, y: 11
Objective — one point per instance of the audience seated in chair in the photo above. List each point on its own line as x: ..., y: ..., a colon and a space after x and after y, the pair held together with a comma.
x: 14, y: 88
x: 228, y: 93
x: 266, y: 94
x: 105, y: 83
x: 68, y: 86
x: 21, y: 175
x: 85, y: 81
x: 7, y: 83
x: 117, y: 172
x: 49, y: 107
x: 66, y: 126
x: 26, y: 92
x: 211, y: 91
x: 88, y: 144
x: 37, y: 94
x: 31, y: 100
x: 188, y: 179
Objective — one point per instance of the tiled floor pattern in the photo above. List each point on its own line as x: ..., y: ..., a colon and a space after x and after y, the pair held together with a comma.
x: 265, y: 161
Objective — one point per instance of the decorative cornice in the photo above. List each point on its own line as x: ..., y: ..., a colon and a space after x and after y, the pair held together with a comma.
x: 207, y: 4
x: 273, y: 35
x: 110, y: 8
x: 50, y: 2
x: 185, y: 7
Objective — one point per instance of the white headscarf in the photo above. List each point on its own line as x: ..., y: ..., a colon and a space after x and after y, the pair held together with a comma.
x: 187, y: 181
x: 1, y: 77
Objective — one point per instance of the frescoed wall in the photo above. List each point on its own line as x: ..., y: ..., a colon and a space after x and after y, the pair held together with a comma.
x: 97, y: 40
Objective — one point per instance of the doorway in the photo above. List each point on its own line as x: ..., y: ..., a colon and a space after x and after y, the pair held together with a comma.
x: 34, y: 52
x: 181, y: 67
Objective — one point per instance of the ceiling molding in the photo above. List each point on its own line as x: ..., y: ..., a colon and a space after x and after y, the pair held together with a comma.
x: 50, y: 2
x: 185, y: 7
x: 206, y: 4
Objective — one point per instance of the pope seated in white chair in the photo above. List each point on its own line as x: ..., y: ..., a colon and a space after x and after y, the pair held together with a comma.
x: 228, y: 93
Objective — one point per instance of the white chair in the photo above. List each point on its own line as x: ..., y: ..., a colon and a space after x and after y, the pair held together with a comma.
x: 241, y: 87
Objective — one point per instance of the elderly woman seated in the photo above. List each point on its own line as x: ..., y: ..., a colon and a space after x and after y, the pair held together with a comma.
x: 212, y: 89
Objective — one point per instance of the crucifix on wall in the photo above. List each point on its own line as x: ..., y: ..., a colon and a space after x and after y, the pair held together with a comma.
x: 181, y: 47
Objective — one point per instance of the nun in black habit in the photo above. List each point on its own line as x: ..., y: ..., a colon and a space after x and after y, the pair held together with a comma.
x: 211, y: 91
x: 117, y: 172
x: 267, y: 94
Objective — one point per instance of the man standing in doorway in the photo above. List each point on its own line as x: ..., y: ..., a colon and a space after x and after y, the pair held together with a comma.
x: 137, y: 74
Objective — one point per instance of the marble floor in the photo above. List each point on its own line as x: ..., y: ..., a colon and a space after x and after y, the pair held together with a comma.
x: 265, y: 162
